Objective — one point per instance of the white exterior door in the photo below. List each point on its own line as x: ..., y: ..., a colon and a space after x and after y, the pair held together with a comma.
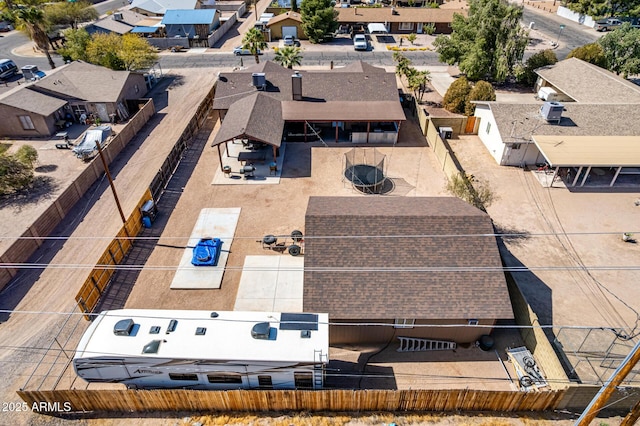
x: 292, y: 31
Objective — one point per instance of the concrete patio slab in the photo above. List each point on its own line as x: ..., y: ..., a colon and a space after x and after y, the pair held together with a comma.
x: 271, y: 283
x: 212, y: 222
x: 262, y: 174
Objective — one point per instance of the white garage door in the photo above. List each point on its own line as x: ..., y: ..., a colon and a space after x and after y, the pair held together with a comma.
x: 292, y: 31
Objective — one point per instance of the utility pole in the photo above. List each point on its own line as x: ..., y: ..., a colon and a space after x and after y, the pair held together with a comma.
x: 603, y: 395
x: 113, y: 188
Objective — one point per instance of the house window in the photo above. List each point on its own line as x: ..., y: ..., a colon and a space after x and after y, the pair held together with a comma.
x: 224, y: 378
x: 405, y: 26
x: 303, y: 380
x: 184, y: 377
x: 26, y: 122
x: 488, y: 128
x: 404, y: 323
x: 473, y: 322
x: 265, y: 382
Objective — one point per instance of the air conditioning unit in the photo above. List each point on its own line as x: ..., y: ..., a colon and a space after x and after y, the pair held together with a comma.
x: 445, y: 133
x: 552, y: 111
x: 118, y: 16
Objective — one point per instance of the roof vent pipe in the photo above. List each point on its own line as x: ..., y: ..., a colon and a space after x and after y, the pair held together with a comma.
x: 296, y: 86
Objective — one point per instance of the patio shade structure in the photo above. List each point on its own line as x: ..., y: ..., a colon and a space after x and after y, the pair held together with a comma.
x: 257, y: 117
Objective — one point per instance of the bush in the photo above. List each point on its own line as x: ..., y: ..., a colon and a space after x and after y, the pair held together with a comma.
x: 27, y: 155
x: 14, y: 174
x: 482, y: 91
x: 474, y: 191
x: 526, y: 74
x: 456, y: 97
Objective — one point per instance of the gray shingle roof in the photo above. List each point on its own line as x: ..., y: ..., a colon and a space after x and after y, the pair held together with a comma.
x: 257, y: 117
x: 367, y: 292
x: 517, y: 122
x: 586, y: 82
x: 84, y: 81
x: 29, y: 100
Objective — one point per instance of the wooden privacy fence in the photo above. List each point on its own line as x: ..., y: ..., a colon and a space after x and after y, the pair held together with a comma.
x: 43, y: 226
x: 99, y: 278
x: 295, y: 400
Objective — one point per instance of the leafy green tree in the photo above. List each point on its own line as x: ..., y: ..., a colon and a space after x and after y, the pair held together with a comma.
x: 592, y: 53
x: 455, y: 99
x: 319, y: 19
x: 69, y: 13
x: 605, y: 8
x: 526, y: 75
x: 486, y: 44
x: 481, y: 91
x: 253, y: 41
x: 412, y: 38
x: 32, y: 20
x: 103, y: 50
x: 135, y: 53
x: 622, y: 50
x: 288, y: 57
x: 75, y: 45
x: 27, y: 155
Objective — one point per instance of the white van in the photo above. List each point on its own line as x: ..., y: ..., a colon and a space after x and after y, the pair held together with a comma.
x: 7, y: 68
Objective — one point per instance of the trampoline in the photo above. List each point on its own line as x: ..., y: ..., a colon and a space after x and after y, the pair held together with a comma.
x: 364, y: 168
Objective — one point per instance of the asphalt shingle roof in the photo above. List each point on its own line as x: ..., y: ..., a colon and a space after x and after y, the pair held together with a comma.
x: 368, y: 291
x: 84, y: 81
x: 29, y: 100
x: 589, y: 83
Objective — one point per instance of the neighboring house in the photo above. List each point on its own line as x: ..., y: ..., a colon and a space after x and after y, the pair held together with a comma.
x: 289, y: 23
x: 75, y: 88
x: 400, y: 20
x: 160, y: 7
x: 193, y: 24
x: 403, y: 262
x: 268, y: 103
x: 593, y: 131
x: 120, y: 22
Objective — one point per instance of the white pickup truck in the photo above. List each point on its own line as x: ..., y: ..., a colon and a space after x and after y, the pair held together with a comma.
x: 607, y: 24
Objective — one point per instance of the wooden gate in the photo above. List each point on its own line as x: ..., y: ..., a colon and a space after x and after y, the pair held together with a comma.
x: 470, y: 128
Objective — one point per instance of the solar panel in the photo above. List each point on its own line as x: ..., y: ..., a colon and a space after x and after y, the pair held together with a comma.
x: 298, y: 321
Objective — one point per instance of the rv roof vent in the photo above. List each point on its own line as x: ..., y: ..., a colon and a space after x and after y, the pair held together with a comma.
x: 261, y: 331
x: 151, y: 347
x: 552, y: 111
x: 123, y: 327
x: 214, y: 315
x: 155, y: 329
x: 201, y: 331
x: 305, y: 334
x: 172, y: 326
x: 259, y: 80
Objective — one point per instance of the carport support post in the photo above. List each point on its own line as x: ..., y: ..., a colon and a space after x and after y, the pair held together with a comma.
x: 613, y: 181
x: 575, y: 179
x: 584, y: 179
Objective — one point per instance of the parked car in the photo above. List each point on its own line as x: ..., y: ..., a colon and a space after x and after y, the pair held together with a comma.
x: 360, y: 42
x: 240, y: 51
x: 7, y: 68
x: 607, y: 24
x: 289, y: 40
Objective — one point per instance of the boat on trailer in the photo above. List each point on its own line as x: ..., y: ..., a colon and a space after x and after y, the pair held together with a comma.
x: 189, y: 349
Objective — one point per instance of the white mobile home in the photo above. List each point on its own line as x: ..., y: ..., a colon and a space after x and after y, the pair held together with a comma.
x: 205, y: 350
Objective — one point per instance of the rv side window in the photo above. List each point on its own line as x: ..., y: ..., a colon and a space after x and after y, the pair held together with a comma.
x: 224, y: 378
x: 265, y: 382
x: 184, y: 377
x: 303, y: 380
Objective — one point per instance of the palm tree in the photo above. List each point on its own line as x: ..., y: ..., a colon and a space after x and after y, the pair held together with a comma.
x: 288, y: 57
x: 33, y: 21
x: 253, y: 41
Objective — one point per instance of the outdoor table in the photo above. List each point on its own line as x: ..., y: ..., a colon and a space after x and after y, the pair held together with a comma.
x: 245, y: 157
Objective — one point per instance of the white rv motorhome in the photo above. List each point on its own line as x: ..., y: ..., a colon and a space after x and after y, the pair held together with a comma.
x: 154, y: 349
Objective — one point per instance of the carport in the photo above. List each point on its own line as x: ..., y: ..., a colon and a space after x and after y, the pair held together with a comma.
x: 377, y: 28
x: 619, y: 154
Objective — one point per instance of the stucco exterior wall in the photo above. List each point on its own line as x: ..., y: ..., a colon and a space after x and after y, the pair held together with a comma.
x: 276, y: 29
x: 10, y: 125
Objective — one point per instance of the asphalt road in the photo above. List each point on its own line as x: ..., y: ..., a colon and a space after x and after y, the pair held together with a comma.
x: 573, y: 35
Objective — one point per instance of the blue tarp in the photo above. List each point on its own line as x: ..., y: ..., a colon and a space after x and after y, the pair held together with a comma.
x: 145, y: 29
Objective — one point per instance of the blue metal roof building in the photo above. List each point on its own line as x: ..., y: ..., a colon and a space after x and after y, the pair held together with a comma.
x: 191, y: 23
